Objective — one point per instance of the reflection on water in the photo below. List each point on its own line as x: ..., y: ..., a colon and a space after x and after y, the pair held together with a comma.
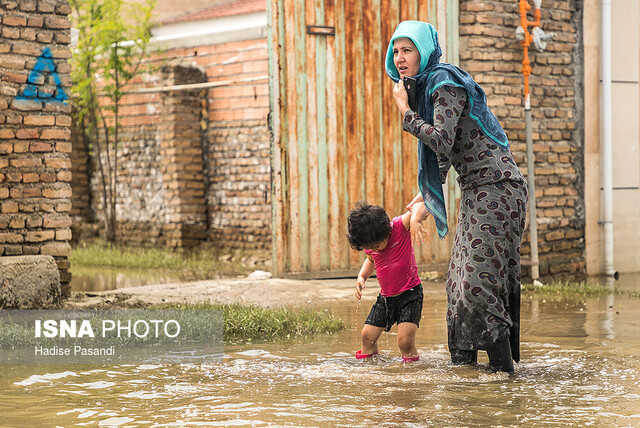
x: 580, y: 367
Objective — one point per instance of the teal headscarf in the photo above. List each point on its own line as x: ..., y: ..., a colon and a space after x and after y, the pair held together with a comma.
x: 425, y: 37
x: 432, y: 75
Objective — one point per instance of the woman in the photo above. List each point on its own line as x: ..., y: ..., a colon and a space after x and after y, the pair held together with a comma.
x: 456, y: 128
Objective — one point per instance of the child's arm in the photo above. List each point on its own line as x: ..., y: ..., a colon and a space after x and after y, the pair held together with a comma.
x: 412, y: 219
x: 365, y: 272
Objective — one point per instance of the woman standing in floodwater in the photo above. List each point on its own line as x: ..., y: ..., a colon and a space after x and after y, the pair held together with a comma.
x: 456, y: 128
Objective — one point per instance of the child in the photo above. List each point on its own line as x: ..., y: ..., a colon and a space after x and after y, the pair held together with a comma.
x: 389, y: 250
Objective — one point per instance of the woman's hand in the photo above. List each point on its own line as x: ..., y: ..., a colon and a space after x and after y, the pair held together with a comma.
x: 401, y: 96
x: 415, y: 200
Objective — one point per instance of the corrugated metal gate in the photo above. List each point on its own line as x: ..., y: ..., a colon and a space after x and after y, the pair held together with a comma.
x: 337, y: 135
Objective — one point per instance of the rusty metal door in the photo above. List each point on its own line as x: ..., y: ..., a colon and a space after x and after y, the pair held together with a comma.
x: 337, y: 135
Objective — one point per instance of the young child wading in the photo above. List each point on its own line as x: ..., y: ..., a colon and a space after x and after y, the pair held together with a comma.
x: 389, y: 250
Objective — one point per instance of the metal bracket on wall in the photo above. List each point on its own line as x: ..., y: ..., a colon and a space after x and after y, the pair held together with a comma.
x: 319, y: 30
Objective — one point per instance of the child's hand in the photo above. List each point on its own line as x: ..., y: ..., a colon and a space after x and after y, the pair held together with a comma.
x: 418, y: 233
x: 359, y: 287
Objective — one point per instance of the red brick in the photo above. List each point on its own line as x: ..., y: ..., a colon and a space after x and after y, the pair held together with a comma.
x: 63, y: 38
x: 6, y: 134
x: 55, y: 134
x: 57, y: 163
x: 56, y: 193
x: 44, y: 36
x: 35, y: 21
x: 47, y: 177
x: 26, y: 105
x: 30, y: 177
x: 40, y: 147
x: 14, y: 119
x: 11, y: 32
x: 34, y: 221
x: 27, y: 5
x: 63, y: 120
x: 15, y: 77
x: 63, y: 235
x: 40, y: 236
x: 14, y: 176
x: 64, y: 176
x: 46, y: 207
x: 28, y: 34
x: 63, y: 8
x: 26, y: 162
x: 63, y: 207
x: 27, y: 207
x: 57, y: 22
x: 21, y: 147
x: 39, y: 120
x: 32, y: 192
x: 9, y: 207
x: 29, y: 49
x: 17, y: 223
x: 56, y: 249
x: 64, y: 147
x: 11, y: 238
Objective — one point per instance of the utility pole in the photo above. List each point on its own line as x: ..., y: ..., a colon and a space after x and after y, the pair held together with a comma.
x: 539, y: 38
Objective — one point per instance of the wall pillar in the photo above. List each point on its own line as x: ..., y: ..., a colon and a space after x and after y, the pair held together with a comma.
x: 180, y: 138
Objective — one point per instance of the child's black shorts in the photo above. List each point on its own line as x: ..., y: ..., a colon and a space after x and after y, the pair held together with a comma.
x: 405, y: 307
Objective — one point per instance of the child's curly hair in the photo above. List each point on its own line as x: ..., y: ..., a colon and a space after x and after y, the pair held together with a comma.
x: 368, y: 226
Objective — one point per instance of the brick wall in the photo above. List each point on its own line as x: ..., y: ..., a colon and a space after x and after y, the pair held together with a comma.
x: 235, y: 165
x: 492, y: 55
x: 238, y: 144
x: 35, y: 171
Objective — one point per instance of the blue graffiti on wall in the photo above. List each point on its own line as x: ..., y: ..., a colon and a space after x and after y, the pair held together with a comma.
x: 34, y: 89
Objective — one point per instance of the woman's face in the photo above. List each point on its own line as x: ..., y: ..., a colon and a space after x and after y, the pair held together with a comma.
x: 406, y: 57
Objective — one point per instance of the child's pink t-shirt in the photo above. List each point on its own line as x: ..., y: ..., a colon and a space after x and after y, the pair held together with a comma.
x: 396, y: 267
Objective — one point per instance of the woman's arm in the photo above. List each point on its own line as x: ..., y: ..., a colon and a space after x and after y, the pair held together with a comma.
x: 448, y: 104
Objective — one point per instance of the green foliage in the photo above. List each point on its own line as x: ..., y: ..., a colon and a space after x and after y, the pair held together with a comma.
x: 112, y: 42
x: 250, y: 322
x: 199, y: 263
x: 576, y: 289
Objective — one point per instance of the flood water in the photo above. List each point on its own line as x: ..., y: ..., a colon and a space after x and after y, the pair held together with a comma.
x: 580, y: 367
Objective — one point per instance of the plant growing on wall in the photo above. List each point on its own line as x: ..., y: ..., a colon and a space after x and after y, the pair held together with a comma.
x: 112, y: 40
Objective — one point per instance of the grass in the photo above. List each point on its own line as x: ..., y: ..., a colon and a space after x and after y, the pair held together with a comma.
x: 576, y: 289
x: 240, y: 323
x: 249, y: 322
x: 200, y: 262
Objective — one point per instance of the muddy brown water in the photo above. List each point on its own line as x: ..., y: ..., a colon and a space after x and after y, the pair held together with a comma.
x: 580, y: 367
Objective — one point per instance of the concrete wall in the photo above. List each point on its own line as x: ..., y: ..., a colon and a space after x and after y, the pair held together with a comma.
x: 626, y: 135
x: 35, y: 171
x: 490, y: 53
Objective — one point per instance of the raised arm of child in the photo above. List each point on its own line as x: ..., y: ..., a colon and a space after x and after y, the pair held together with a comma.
x: 412, y: 221
x: 365, y: 272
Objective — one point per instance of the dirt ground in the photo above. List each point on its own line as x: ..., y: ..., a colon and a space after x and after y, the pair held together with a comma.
x: 269, y: 293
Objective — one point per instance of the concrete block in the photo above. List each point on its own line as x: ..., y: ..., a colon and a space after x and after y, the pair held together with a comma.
x: 29, y: 282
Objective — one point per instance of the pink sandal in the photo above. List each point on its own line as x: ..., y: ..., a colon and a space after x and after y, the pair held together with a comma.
x: 360, y: 355
x: 408, y: 359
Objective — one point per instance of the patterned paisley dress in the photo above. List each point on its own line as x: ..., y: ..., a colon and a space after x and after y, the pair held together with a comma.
x: 483, y: 281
